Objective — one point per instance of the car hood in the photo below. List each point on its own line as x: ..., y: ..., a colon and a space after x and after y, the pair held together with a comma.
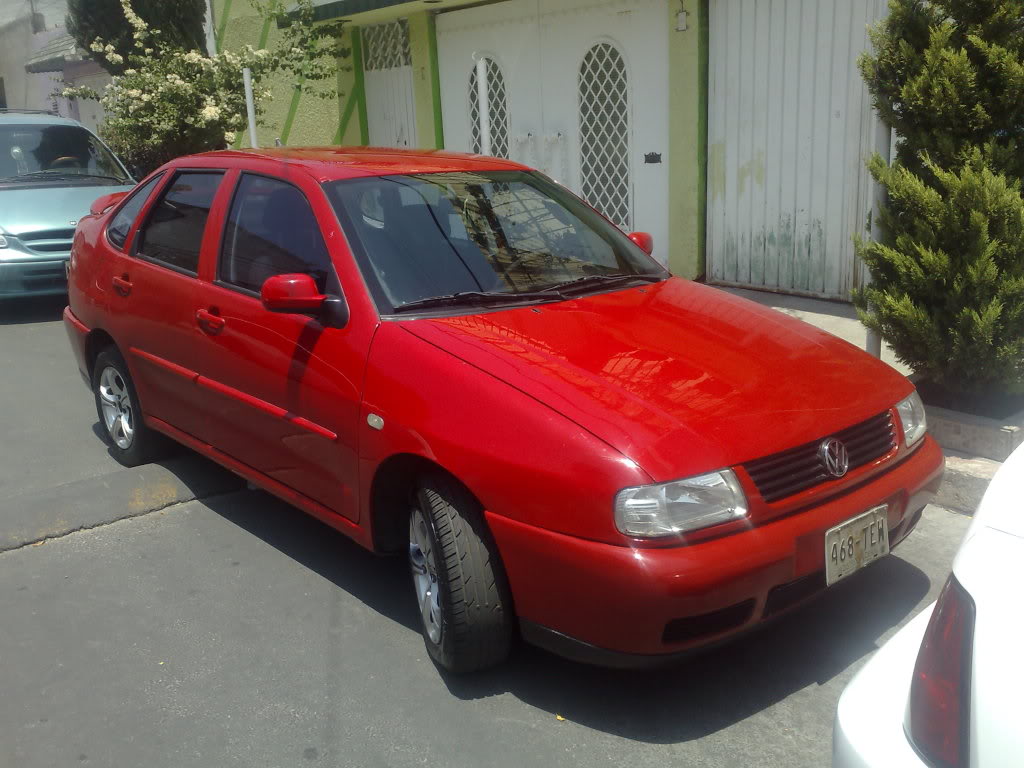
x: 679, y: 377
x: 29, y: 207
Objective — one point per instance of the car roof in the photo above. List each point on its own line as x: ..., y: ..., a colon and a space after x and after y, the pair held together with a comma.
x: 35, y: 118
x: 332, y: 163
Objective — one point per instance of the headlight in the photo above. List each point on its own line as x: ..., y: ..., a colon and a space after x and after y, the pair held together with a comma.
x: 911, y: 411
x: 3, y: 241
x: 682, y: 505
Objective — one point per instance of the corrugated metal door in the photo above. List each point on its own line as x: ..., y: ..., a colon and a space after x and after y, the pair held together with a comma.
x: 790, y: 126
x: 387, y: 72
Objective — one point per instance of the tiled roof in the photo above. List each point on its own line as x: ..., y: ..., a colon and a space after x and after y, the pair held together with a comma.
x: 54, y: 55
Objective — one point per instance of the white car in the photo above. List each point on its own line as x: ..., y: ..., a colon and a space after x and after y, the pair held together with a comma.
x: 946, y: 690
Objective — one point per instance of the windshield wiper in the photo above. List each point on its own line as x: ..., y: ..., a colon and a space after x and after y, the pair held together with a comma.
x: 60, y: 175
x: 37, y: 175
x: 464, y: 298
x: 118, y: 179
x: 591, y: 280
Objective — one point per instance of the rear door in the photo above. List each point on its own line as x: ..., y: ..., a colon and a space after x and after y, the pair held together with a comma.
x: 281, y: 392
x: 152, y: 296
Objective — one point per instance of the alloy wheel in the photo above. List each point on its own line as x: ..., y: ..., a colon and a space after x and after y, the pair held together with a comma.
x: 118, y: 417
x: 424, y: 575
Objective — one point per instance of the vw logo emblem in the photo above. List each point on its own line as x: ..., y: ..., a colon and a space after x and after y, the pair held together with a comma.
x: 834, y: 457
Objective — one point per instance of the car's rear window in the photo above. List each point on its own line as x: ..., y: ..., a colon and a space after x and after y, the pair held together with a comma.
x: 420, y: 236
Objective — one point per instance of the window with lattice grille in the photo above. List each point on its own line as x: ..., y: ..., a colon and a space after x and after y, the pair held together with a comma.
x: 605, y: 134
x: 497, y: 109
x: 386, y: 46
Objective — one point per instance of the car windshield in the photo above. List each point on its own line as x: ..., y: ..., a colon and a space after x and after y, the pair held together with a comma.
x: 31, y: 153
x: 477, y: 238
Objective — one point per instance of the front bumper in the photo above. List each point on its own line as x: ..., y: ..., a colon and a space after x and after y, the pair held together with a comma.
x: 621, y: 606
x: 45, y: 277
x: 868, y: 730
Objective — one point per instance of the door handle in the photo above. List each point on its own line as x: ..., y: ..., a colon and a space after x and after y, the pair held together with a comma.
x: 122, y: 284
x: 209, y: 322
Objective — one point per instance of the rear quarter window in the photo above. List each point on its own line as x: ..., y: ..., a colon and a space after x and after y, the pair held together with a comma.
x: 121, y: 224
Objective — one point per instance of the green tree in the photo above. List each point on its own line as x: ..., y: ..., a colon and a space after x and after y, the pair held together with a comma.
x: 180, y: 23
x: 169, y: 102
x: 947, y: 288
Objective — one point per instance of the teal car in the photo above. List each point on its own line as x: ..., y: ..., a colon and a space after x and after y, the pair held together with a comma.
x: 51, y: 170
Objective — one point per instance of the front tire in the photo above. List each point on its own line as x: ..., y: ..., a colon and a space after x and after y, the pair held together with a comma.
x: 117, y: 406
x: 461, y: 589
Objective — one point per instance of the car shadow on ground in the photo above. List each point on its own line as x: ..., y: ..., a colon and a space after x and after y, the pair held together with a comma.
x: 704, y: 694
x: 714, y: 689
x: 23, y: 310
x: 381, y: 583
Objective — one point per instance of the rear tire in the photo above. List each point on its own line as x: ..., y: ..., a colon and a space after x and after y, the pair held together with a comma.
x: 117, y: 406
x: 461, y: 589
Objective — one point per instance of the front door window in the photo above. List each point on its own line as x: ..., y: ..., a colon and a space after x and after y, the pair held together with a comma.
x: 271, y: 231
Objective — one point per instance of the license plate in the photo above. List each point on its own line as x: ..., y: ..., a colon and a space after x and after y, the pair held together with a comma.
x: 853, y: 544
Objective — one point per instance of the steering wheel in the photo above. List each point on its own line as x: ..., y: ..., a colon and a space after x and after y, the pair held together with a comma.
x: 68, y: 161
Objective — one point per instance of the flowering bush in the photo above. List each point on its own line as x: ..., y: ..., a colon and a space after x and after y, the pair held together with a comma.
x: 169, y: 102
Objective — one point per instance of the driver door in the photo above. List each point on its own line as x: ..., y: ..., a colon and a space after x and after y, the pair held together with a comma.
x: 282, y: 390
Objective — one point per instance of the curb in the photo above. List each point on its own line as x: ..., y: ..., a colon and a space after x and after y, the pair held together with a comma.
x: 63, y: 509
x: 965, y: 481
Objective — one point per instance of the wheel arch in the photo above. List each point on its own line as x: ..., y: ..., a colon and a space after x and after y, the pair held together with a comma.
x: 97, y: 340
x: 393, y: 481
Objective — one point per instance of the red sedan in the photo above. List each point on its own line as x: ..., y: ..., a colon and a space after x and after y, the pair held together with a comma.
x: 457, y: 358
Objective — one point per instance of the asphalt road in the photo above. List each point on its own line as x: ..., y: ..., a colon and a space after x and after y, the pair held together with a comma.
x: 232, y: 630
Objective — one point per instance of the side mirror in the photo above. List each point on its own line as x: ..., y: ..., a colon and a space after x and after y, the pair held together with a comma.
x: 297, y: 294
x: 644, y: 240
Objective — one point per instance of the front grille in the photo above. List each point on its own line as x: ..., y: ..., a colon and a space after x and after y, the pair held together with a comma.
x: 797, y: 469
x: 43, y: 277
x: 48, y: 240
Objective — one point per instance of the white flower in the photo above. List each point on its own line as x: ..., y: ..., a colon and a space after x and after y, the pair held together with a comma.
x: 210, y: 113
x: 96, y: 46
x: 115, y: 58
x: 229, y: 137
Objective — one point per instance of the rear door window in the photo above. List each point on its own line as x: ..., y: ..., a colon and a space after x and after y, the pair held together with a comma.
x: 121, y: 224
x: 173, y: 232
x: 271, y: 230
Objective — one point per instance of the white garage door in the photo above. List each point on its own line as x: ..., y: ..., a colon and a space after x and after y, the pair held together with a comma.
x: 559, y: 85
x: 790, y: 126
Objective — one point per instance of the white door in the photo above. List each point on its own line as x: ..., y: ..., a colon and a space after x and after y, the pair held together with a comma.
x: 387, y: 77
x: 569, y: 75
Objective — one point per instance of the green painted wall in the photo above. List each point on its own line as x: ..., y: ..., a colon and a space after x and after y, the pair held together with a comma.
x: 296, y: 118
x: 421, y: 47
x: 688, y: 109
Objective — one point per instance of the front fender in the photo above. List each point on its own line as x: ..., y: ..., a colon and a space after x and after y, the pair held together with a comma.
x: 521, y: 459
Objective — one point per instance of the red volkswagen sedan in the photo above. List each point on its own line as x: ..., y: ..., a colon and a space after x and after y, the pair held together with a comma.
x: 454, y: 357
